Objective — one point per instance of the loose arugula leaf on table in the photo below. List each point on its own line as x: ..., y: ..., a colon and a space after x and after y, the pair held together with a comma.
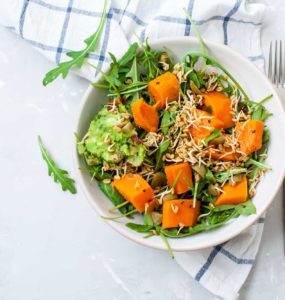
x: 77, y: 57
x: 114, y: 196
x: 59, y: 175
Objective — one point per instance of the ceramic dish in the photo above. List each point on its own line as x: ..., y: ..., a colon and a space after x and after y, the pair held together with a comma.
x: 257, y: 87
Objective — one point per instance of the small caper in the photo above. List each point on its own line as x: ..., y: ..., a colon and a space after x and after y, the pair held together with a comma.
x: 158, y: 179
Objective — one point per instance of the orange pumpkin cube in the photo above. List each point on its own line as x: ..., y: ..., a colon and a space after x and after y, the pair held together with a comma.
x: 137, y: 191
x: 233, y: 194
x: 164, y: 89
x: 226, y: 155
x: 219, y: 105
x: 178, y: 213
x: 204, y: 125
x: 145, y: 115
x: 179, y: 175
x: 249, y: 135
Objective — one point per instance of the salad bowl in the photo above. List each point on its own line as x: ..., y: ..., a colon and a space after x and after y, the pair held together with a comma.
x: 255, y: 83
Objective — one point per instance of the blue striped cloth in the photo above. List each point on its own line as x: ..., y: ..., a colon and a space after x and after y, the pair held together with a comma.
x: 58, y: 26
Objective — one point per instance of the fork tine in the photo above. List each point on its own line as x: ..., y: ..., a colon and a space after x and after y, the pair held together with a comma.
x: 269, y: 74
x: 280, y: 72
x: 275, y: 77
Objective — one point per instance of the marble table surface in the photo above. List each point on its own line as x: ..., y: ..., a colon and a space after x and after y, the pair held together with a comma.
x: 52, y: 244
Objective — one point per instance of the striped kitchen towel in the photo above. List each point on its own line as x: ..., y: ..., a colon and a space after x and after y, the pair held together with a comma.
x: 58, y: 26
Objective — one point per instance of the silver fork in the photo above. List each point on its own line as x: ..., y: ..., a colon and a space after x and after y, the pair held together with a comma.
x: 276, y: 74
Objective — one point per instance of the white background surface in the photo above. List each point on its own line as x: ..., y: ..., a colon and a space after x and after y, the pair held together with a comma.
x: 52, y: 244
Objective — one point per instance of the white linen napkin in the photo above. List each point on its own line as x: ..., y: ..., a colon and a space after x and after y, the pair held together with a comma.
x: 58, y: 26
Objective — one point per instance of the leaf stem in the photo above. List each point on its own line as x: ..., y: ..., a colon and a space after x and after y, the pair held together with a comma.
x: 119, y: 206
x: 167, y: 244
x: 120, y: 216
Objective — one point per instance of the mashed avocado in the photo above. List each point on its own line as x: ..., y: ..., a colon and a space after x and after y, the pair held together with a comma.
x: 109, y: 139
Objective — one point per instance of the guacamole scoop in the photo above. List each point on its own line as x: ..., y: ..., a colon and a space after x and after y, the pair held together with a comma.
x: 109, y: 139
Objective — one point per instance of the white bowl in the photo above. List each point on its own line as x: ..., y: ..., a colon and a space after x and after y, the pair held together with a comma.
x: 257, y: 87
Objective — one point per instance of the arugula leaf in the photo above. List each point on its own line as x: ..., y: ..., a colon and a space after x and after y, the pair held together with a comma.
x: 258, y: 164
x: 212, y: 61
x: 218, y: 216
x: 214, y: 135
x: 59, y: 175
x: 129, y: 55
x: 225, y: 175
x: 193, y: 76
x: 148, y: 220
x: 159, y: 153
x: 165, y: 122
x: 139, y: 227
x: 197, y: 32
x: 261, y: 113
x: 77, y: 56
x: 265, y: 136
x: 210, y: 176
x: 115, y: 197
x: 133, y: 74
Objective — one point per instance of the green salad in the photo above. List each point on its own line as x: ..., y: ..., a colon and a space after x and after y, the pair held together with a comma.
x: 179, y: 142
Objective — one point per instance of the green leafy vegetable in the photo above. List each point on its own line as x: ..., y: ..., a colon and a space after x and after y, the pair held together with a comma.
x: 77, y: 56
x: 165, y: 122
x: 59, y: 175
x: 215, y: 134
x: 212, y: 61
x: 148, y: 220
x: 162, y: 150
x: 261, y: 114
x: 139, y: 227
x: 225, y: 175
x: 115, y: 197
x: 258, y: 164
x: 217, y: 217
x: 265, y: 136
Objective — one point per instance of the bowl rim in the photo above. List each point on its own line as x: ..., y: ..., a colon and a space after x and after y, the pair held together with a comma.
x: 138, y: 238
